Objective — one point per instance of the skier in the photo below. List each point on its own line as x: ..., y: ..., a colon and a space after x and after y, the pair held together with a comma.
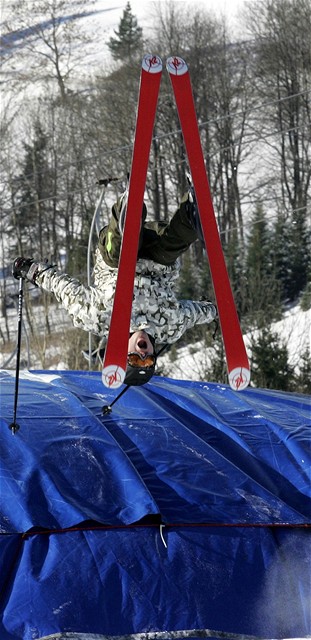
x: 157, y: 316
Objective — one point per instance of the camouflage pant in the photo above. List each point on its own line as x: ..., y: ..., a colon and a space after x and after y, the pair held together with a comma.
x: 159, y: 241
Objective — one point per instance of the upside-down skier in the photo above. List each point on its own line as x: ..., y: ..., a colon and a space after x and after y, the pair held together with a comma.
x: 158, y: 318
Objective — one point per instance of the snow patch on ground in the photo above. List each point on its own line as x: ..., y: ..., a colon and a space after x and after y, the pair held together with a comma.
x: 294, y: 330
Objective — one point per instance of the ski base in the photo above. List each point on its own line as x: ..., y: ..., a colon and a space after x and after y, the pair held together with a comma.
x: 115, y: 361
x: 236, y: 356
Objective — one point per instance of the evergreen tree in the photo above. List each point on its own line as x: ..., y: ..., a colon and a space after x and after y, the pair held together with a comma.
x: 128, y: 43
x: 291, y: 257
x: 234, y: 254
x: 218, y: 368
x: 299, y: 255
x: 282, y: 261
x: 189, y: 278
x: 303, y: 379
x: 270, y: 366
x: 305, y: 302
x: 262, y: 286
x: 32, y: 210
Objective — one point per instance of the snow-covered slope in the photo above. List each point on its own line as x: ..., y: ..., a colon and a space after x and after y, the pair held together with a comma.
x: 294, y: 331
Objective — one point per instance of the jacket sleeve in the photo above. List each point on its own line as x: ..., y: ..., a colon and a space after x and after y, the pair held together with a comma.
x: 198, y: 312
x: 85, y: 305
x: 186, y: 315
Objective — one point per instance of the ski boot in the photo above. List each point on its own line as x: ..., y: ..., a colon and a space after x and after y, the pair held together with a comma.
x: 120, y: 209
x: 194, y: 211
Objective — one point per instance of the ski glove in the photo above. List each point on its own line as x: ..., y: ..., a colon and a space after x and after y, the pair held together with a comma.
x: 209, y: 309
x: 193, y: 212
x: 28, y: 269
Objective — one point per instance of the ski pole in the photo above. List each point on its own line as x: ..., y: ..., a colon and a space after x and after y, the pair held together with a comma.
x: 108, y: 407
x: 14, y: 426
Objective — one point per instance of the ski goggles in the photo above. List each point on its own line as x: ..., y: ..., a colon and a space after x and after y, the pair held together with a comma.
x: 136, y: 360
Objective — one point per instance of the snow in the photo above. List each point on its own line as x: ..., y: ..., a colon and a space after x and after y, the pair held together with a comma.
x: 294, y: 331
x: 103, y: 17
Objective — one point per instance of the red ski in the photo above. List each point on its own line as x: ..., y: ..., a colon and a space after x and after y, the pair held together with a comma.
x: 115, y: 360
x: 237, y: 360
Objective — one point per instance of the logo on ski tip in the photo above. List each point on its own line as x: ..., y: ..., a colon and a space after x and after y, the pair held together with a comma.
x: 151, y: 63
x: 239, y: 378
x: 113, y: 376
x: 176, y: 66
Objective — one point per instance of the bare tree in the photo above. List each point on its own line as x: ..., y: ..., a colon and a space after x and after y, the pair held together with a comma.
x: 282, y: 54
x: 282, y: 74
x: 223, y: 97
x: 45, y: 32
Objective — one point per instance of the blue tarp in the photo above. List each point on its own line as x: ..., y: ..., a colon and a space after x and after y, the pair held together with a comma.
x: 83, y: 497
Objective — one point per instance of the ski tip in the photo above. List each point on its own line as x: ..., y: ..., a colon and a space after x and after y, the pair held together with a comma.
x: 152, y: 63
x: 176, y: 66
x: 113, y: 376
x: 239, y: 378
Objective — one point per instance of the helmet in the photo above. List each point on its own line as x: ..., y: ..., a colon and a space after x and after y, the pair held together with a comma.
x: 139, y: 369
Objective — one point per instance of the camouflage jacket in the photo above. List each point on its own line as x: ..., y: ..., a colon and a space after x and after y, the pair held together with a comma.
x: 155, y: 307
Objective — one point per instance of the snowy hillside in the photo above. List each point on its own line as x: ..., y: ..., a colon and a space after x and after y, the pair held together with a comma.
x: 98, y: 22
x: 294, y: 331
